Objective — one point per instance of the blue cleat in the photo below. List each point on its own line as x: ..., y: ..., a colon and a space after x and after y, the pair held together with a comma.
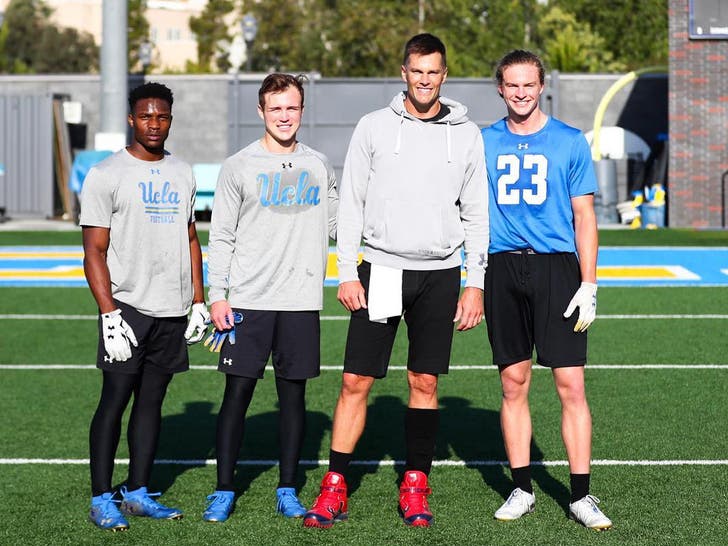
x: 105, y: 515
x: 140, y: 503
x: 288, y: 503
x: 221, y: 504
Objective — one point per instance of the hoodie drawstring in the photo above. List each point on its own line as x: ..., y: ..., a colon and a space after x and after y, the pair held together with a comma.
x: 449, y: 147
x: 398, y: 144
x: 448, y: 137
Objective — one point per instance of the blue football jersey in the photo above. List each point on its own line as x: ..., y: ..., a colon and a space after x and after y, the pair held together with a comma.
x: 531, y: 180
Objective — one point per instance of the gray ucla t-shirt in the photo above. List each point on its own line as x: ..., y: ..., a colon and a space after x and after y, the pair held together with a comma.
x: 271, y: 219
x: 147, y: 205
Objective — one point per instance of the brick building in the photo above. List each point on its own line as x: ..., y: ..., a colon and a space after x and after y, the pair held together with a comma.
x: 698, y: 118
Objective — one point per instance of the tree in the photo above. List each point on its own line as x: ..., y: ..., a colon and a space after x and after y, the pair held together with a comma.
x: 635, y: 31
x: 3, y: 56
x: 369, y: 36
x: 479, y: 33
x: 24, y: 20
x: 34, y: 45
x: 365, y: 38
x: 571, y: 46
x: 65, y: 50
x: 212, y: 35
x: 137, y: 31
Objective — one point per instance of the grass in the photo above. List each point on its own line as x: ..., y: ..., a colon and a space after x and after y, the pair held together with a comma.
x: 607, y: 237
x: 660, y: 416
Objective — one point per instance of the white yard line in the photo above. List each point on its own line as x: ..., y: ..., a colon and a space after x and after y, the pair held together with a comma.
x: 386, y: 462
x: 457, y: 367
x: 346, y: 317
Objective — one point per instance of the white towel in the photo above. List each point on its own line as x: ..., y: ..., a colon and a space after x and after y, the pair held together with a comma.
x: 385, y: 293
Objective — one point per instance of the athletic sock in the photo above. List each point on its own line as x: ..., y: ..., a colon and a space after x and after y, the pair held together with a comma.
x: 579, y: 486
x: 522, y: 478
x: 421, y: 427
x: 339, y: 462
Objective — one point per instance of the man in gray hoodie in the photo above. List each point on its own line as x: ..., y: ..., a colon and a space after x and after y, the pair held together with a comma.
x: 414, y: 190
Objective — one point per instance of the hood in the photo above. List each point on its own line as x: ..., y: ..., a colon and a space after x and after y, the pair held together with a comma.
x: 458, y: 112
x: 456, y: 116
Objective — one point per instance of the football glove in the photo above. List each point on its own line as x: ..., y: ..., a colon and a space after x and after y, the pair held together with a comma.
x: 586, y: 300
x: 117, y: 336
x: 197, y: 326
x: 216, y: 339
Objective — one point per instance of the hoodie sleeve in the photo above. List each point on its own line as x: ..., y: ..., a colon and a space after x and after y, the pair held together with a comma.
x: 474, y: 214
x: 225, y: 210
x: 352, y: 196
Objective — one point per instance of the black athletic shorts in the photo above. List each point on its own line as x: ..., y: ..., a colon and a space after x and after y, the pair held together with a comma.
x: 526, y: 295
x: 293, y: 338
x: 162, y: 345
x: 429, y: 301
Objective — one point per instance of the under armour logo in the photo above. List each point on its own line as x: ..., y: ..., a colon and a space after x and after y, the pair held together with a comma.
x: 227, y: 361
x: 289, y: 165
x: 107, y: 358
x: 523, y: 146
x: 155, y: 171
x: 482, y: 259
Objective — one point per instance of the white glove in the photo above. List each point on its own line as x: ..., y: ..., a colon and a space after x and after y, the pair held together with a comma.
x: 117, y: 336
x: 586, y: 300
x: 197, y: 326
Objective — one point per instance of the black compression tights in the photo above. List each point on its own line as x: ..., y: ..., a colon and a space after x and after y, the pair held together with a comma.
x: 149, y: 389
x: 231, y: 424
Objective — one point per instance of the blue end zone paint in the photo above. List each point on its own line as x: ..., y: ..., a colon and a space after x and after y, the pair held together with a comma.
x: 709, y: 264
x: 683, y: 266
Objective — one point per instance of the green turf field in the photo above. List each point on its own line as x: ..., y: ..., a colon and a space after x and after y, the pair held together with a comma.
x: 657, y: 389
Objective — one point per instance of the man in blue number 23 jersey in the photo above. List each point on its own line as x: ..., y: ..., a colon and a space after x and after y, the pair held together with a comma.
x: 541, y: 268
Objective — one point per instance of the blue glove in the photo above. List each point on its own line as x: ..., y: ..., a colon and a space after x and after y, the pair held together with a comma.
x: 216, y: 339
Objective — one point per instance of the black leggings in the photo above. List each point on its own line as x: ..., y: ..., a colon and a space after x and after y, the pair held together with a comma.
x: 231, y: 424
x: 149, y: 389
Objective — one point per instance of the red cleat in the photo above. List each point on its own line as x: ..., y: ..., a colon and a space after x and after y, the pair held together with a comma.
x: 413, y: 505
x: 331, y: 504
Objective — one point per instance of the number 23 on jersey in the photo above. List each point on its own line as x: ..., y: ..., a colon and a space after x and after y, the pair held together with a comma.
x: 532, y: 168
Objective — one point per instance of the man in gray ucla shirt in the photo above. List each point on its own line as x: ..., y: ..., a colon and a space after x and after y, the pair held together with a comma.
x: 143, y: 263
x: 274, y: 210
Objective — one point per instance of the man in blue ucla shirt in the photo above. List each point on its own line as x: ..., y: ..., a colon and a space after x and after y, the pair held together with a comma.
x: 143, y: 263
x: 274, y: 209
x: 541, y: 268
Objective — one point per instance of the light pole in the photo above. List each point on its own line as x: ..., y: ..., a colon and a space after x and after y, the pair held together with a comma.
x: 249, y: 26
x: 145, y: 55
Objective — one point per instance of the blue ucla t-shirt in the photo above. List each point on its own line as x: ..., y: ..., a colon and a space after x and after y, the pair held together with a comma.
x: 531, y: 180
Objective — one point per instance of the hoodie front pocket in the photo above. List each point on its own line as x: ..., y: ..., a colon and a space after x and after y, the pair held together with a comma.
x: 414, y: 229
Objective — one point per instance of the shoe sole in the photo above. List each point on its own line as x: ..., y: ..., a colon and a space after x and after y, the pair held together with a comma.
x: 294, y: 516
x: 328, y: 524
x: 597, y: 528
x: 418, y: 521
x: 172, y: 517
x: 531, y: 511
x: 112, y: 529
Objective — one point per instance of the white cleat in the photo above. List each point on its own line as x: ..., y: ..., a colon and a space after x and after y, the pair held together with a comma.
x: 519, y: 503
x: 586, y: 512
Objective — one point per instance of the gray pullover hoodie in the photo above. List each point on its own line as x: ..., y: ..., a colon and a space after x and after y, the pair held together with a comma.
x: 415, y: 192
